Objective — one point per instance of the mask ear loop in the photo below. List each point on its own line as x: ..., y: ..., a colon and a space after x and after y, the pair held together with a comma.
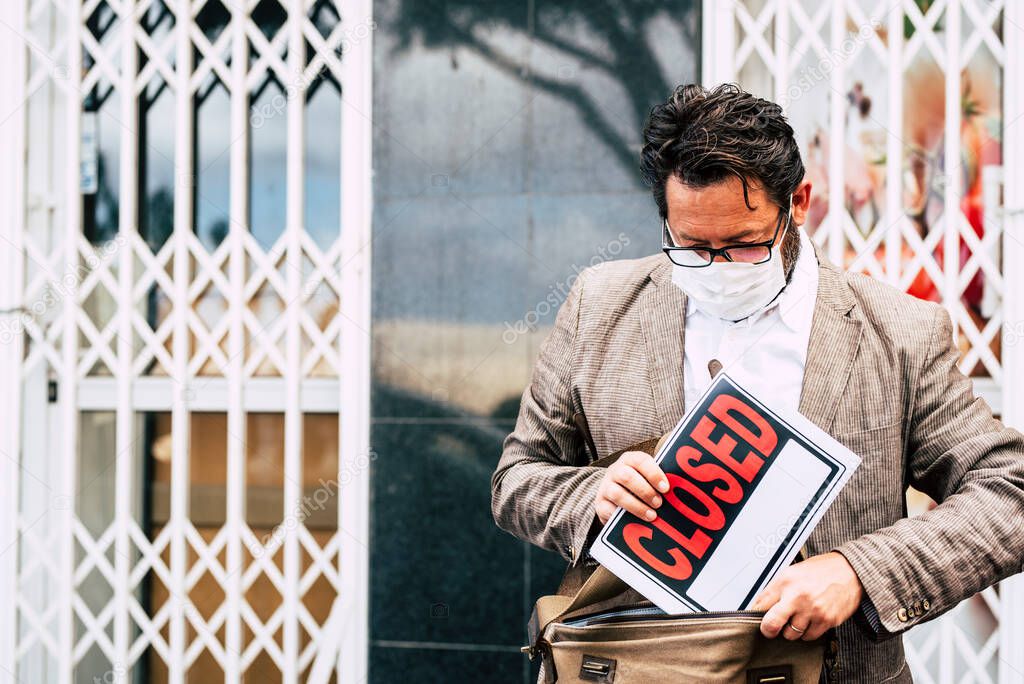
x: 789, y: 220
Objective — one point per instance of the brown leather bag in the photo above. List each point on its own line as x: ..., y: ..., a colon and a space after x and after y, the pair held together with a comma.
x: 597, y: 629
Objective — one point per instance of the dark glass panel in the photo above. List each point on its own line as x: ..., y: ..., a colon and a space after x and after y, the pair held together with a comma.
x: 101, y: 163
x: 156, y: 163
x: 212, y: 19
x: 268, y: 168
x: 434, y: 537
x: 442, y: 666
x: 505, y: 147
x: 323, y: 161
x: 212, y: 162
x: 269, y: 16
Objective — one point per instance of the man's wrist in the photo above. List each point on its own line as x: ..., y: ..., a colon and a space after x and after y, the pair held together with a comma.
x: 866, y: 615
x: 854, y: 579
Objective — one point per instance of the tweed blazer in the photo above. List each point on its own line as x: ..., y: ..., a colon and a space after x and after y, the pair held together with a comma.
x: 881, y: 377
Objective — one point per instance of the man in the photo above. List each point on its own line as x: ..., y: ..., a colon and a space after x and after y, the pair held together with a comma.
x: 743, y: 285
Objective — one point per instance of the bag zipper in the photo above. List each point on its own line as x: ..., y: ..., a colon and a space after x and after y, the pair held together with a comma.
x: 654, y: 613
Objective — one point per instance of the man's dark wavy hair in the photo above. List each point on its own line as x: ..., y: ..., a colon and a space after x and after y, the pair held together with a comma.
x: 704, y: 136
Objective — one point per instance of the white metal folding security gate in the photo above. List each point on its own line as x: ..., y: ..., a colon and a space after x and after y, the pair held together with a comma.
x: 910, y: 117
x: 117, y: 315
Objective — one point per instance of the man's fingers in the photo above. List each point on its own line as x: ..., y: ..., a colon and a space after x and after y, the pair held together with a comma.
x: 620, y: 496
x: 767, y: 598
x: 776, y: 618
x: 649, y: 469
x: 796, y: 629
x: 633, y: 481
x: 814, y: 631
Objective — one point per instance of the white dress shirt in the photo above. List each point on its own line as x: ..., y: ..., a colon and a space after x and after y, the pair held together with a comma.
x: 765, y: 352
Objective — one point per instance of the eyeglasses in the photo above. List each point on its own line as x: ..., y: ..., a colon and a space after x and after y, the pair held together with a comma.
x: 698, y: 257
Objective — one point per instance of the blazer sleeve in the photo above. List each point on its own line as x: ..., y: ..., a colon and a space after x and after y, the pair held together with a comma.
x: 542, y: 491
x: 973, y: 467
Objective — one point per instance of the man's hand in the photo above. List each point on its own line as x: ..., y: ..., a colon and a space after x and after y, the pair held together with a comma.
x: 632, y: 482
x: 810, y: 597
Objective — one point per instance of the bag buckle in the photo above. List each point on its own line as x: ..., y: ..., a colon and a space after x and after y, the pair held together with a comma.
x: 597, y: 669
x: 779, y: 674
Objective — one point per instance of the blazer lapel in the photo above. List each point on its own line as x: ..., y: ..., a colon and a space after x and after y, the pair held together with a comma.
x: 835, y: 335
x: 662, y: 319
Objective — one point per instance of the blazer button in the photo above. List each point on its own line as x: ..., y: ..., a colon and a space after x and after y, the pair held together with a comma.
x: 572, y: 553
x: 901, y: 615
x: 917, y: 608
x: 927, y: 605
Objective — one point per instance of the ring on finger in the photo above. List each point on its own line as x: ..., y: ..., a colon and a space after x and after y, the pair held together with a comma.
x: 796, y: 629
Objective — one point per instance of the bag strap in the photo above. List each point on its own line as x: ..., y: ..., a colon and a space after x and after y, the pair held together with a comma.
x: 600, y: 586
x: 648, y: 446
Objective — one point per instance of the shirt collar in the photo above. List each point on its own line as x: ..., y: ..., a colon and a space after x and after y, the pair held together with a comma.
x: 796, y: 303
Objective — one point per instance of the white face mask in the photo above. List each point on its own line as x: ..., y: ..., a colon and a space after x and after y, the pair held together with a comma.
x: 733, y: 290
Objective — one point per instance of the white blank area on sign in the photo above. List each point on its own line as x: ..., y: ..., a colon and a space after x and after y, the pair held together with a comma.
x: 773, y: 509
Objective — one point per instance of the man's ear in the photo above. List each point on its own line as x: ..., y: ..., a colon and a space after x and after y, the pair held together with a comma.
x: 801, y: 202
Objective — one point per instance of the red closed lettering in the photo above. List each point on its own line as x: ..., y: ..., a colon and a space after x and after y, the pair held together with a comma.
x: 722, y: 408
x: 635, y: 533
x: 712, y: 519
x: 722, y: 450
x: 697, y: 543
x: 754, y: 437
x: 730, y: 491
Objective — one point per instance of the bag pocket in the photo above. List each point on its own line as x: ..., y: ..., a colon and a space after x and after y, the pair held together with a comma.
x: 644, y: 644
